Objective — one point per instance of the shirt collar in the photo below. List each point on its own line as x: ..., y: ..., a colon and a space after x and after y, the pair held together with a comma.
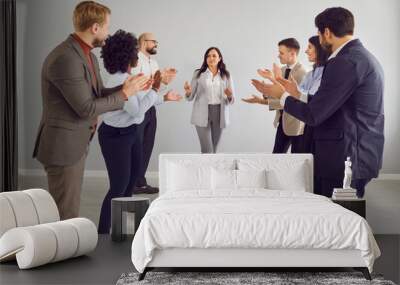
x: 209, y: 71
x: 142, y: 56
x: 291, y: 66
x: 85, y: 47
x: 335, y: 53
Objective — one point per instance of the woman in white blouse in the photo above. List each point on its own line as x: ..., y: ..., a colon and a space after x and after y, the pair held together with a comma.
x: 212, y: 91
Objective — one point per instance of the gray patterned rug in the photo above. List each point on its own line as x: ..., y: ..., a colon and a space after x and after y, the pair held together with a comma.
x: 243, y: 278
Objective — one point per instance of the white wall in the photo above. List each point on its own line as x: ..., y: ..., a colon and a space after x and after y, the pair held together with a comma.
x: 247, y: 33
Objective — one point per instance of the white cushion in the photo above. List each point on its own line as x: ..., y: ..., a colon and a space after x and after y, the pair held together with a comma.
x: 187, y: 176
x: 34, y: 244
x: 291, y: 179
x: 87, y: 233
x: 282, y: 173
x: 223, y: 179
x: 40, y: 244
x: 251, y: 178
x: 7, y: 218
x: 45, y: 206
x: 23, y: 208
x: 67, y: 240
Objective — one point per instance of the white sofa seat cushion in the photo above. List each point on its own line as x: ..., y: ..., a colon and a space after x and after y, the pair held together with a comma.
x: 26, y: 208
x: 24, y: 211
x: 45, y: 205
x: 7, y: 218
x: 40, y: 244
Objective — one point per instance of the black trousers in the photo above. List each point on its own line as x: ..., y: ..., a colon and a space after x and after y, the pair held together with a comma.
x: 308, y: 142
x: 122, y: 152
x: 147, y: 131
x: 324, y: 186
x: 283, y: 141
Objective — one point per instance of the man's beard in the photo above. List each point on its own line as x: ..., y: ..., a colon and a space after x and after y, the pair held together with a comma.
x: 152, y: 50
x: 98, y: 43
x: 327, y: 47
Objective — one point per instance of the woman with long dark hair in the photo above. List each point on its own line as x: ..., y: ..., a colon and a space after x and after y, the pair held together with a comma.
x: 310, y: 84
x: 212, y: 91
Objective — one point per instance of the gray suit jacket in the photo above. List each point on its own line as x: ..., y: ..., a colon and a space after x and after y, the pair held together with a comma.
x: 290, y: 125
x: 70, y: 104
x: 199, y: 94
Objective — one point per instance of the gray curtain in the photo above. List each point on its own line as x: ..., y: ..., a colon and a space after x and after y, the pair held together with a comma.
x: 8, y: 98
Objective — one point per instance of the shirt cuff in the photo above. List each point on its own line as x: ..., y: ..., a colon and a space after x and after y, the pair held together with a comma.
x: 303, y: 98
x: 283, y: 99
x: 160, y: 99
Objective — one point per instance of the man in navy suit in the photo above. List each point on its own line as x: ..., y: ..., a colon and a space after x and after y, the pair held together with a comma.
x: 347, y: 110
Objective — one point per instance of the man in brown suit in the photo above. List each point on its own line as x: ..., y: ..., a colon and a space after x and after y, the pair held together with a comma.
x: 73, y: 96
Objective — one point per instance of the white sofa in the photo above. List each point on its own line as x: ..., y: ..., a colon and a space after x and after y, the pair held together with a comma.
x: 31, y: 231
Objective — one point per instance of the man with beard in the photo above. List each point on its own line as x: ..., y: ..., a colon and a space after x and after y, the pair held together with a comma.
x: 73, y: 96
x: 148, y: 66
x: 346, y: 111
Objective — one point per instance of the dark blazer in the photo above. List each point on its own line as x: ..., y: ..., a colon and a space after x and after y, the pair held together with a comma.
x: 347, y: 113
x: 70, y: 104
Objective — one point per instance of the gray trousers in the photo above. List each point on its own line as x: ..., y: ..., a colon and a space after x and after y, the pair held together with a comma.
x: 65, y: 184
x: 209, y: 136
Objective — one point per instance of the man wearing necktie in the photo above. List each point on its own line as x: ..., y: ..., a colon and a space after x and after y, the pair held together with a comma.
x: 347, y: 111
x: 289, y: 129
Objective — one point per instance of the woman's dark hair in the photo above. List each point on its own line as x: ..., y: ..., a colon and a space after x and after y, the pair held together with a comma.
x: 321, y: 54
x: 338, y: 20
x: 221, y: 65
x: 120, y: 52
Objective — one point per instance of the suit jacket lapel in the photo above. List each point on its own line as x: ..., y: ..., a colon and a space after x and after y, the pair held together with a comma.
x: 79, y: 50
x: 96, y: 73
x: 295, y: 68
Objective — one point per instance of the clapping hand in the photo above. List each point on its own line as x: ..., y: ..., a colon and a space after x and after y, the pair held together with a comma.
x: 228, y: 92
x: 290, y: 86
x: 156, y: 81
x: 167, y: 75
x: 255, y: 100
x: 172, y: 96
x: 274, y: 90
x: 188, y: 89
x: 265, y: 73
x: 134, y: 84
x: 277, y: 71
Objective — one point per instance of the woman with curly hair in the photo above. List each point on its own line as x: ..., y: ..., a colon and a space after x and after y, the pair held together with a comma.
x: 212, y: 91
x: 119, y: 134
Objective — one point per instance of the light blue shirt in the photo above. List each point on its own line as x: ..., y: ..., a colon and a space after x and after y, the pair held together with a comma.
x: 134, y: 109
x: 308, y: 86
x: 311, y: 81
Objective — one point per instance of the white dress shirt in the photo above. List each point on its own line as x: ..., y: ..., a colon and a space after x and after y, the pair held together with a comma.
x: 134, y: 109
x: 214, y: 84
x: 148, y: 66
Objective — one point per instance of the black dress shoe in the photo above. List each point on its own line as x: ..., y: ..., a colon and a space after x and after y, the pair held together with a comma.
x: 145, y: 190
